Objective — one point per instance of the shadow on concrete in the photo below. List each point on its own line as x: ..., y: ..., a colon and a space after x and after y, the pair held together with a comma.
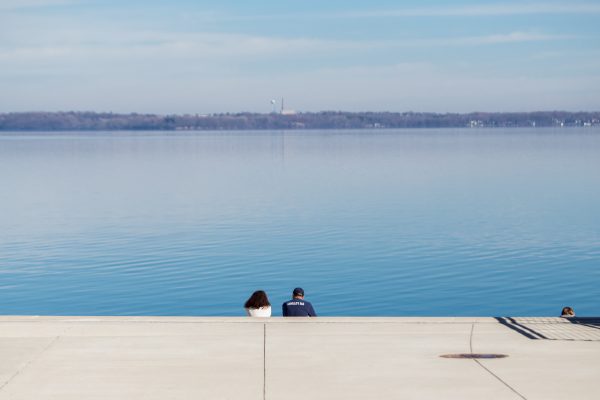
x: 540, y: 328
x: 590, y: 322
x: 528, y: 332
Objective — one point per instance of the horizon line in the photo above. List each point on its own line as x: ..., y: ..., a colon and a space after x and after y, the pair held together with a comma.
x: 296, y: 112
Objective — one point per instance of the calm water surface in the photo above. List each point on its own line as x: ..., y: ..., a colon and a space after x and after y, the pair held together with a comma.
x: 403, y: 222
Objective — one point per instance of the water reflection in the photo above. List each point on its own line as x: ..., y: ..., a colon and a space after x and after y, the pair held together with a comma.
x: 410, y: 222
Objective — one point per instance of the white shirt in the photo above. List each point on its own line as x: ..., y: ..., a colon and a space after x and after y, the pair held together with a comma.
x: 259, y: 312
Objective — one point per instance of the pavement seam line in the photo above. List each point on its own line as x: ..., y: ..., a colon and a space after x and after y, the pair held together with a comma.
x: 264, y: 361
x: 29, y: 362
x: 500, y: 379
x: 487, y: 369
x: 471, y: 338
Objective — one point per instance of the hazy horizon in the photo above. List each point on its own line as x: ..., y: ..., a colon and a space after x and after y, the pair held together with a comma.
x: 195, y: 57
x: 300, y: 112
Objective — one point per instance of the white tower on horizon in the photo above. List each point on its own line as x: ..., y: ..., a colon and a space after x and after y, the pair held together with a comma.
x: 284, y: 111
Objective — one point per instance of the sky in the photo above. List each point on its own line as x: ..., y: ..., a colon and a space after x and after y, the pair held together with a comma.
x: 195, y: 56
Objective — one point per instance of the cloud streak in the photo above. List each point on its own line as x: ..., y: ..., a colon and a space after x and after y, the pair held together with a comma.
x: 12, y: 5
x: 505, y: 9
x: 513, y: 37
x: 210, y: 45
x: 487, y: 10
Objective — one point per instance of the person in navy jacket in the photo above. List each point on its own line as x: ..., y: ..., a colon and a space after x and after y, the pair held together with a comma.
x: 297, y: 306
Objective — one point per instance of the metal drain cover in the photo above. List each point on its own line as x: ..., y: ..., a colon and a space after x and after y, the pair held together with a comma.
x: 473, y: 356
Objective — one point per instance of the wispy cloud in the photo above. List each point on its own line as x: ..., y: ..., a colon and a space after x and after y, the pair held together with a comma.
x: 9, y: 5
x: 166, y: 44
x: 513, y: 37
x: 485, y: 10
x: 60, y: 44
x: 491, y: 10
x: 503, y: 9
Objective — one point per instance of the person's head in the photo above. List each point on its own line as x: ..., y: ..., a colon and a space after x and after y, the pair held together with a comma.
x: 298, y: 293
x: 257, y: 300
x: 567, y: 312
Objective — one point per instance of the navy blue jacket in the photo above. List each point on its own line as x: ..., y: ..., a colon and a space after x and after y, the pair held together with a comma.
x: 298, y: 308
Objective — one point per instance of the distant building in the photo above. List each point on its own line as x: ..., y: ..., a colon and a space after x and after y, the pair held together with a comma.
x: 285, y: 111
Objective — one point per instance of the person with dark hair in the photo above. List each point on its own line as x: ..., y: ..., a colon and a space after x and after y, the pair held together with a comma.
x: 258, y: 305
x: 567, y: 312
x: 297, y: 306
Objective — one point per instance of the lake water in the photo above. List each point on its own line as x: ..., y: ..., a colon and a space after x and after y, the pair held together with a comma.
x: 375, y: 223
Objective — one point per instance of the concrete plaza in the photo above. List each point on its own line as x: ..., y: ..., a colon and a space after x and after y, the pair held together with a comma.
x: 64, y: 358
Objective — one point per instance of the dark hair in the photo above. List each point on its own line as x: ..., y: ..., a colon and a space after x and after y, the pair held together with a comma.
x: 257, y: 300
x: 567, y: 311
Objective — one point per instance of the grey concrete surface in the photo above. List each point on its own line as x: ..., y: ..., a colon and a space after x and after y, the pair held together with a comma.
x: 43, y: 358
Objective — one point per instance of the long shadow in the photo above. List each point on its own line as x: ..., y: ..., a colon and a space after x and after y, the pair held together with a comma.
x: 590, y: 322
x: 530, y: 333
x: 522, y: 329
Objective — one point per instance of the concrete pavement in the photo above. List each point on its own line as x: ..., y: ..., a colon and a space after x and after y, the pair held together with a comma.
x: 43, y: 358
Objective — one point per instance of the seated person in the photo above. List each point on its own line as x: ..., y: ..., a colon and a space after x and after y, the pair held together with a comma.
x: 297, y: 306
x: 258, y: 305
x: 567, y: 312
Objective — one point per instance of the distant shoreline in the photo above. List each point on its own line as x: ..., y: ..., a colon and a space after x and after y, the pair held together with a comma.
x: 92, y: 121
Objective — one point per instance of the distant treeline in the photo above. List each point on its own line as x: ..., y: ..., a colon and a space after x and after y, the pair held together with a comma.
x: 71, y: 121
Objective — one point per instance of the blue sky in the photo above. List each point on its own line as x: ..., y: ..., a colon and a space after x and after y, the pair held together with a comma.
x: 184, y: 56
